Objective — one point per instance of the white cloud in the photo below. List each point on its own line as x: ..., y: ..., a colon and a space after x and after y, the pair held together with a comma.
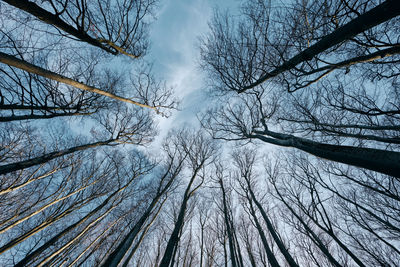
x: 175, y: 54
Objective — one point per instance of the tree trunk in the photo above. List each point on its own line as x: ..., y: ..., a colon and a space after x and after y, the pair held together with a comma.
x: 174, y: 238
x: 228, y: 228
x: 50, y: 156
x: 381, y: 13
x: 95, y: 240
x: 56, y: 21
x: 386, y: 162
x: 54, y: 239
x: 271, y: 229
x: 42, y: 209
x: 271, y: 257
x: 116, y: 256
x: 40, y: 227
x: 144, y: 232
x: 77, y: 237
x: 16, y: 187
x: 26, y: 66
x: 315, y: 237
x: 40, y: 117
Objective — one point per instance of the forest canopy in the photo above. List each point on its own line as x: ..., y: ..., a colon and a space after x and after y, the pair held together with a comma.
x: 295, y: 160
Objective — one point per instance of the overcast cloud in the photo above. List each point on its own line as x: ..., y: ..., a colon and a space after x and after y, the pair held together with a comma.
x: 175, y: 54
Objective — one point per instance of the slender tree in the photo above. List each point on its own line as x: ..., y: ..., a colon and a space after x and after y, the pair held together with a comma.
x: 173, y: 168
x: 200, y: 152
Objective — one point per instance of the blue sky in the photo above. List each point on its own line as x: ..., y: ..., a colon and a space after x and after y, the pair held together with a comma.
x: 174, y: 39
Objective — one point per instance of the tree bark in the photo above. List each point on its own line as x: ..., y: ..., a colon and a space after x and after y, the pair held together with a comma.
x: 77, y: 237
x: 56, y: 21
x: 40, y: 227
x: 16, y: 187
x: 144, y: 232
x: 315, y: 237
x: 40, y: 117
x: 379, y: 14
x: 55, y: 238
x: 174, y: 238
x: 271, y: 257
x: 42, y: 209
x: 117, y: 255
x: 26, y: 66
x: 386, y: 162
x: 228, y: 228
x: 50, y: 156
x: 94, y: 241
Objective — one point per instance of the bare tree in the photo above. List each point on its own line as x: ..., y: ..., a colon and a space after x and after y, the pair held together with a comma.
x: 328, y: 202
x: 227, y: 211
x: 342, y: 118
x: 200, y: 152
x: 172, y: 169
x: 270, y: 40
x: 122, y: 127
x: 54, y: 64
x: 115, y: 27
x: 26, y: 66
x: 245, y: 161
x: 97, y: 204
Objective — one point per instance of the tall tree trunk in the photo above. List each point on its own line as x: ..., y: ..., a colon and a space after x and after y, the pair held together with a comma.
x: 55, y: 20
x: 271, y: 257
x: 174, y: 238
x: 144, y: 232
x: 314, y: 236
x: 40, y: 117
x: 387, y: 162
x: 26, y: 66
x: 228, y: 226
x: 49, y: 156
x: 95, y: 240
x: 43, y: 225
x: 55, y: 238
x: 40, y: 108
x: 237, y: 246
x: 19, y: 221
x: 76, y: 238
x: 381, y: 13
x: 201, y: 244
x: 30, y: 180
x: 272, y: 231
x: 118, y: 253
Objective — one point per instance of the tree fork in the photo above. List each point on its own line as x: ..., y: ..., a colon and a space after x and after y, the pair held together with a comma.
x: 379, y: 14
x: 56, y: 21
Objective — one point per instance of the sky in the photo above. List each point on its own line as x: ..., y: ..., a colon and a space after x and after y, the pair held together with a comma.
x: 175, y: 54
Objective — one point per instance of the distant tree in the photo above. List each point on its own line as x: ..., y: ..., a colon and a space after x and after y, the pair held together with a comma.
x: 174, y: 164
x: 313, y: 198
x: 245, y: 161
x: 200, y: 153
